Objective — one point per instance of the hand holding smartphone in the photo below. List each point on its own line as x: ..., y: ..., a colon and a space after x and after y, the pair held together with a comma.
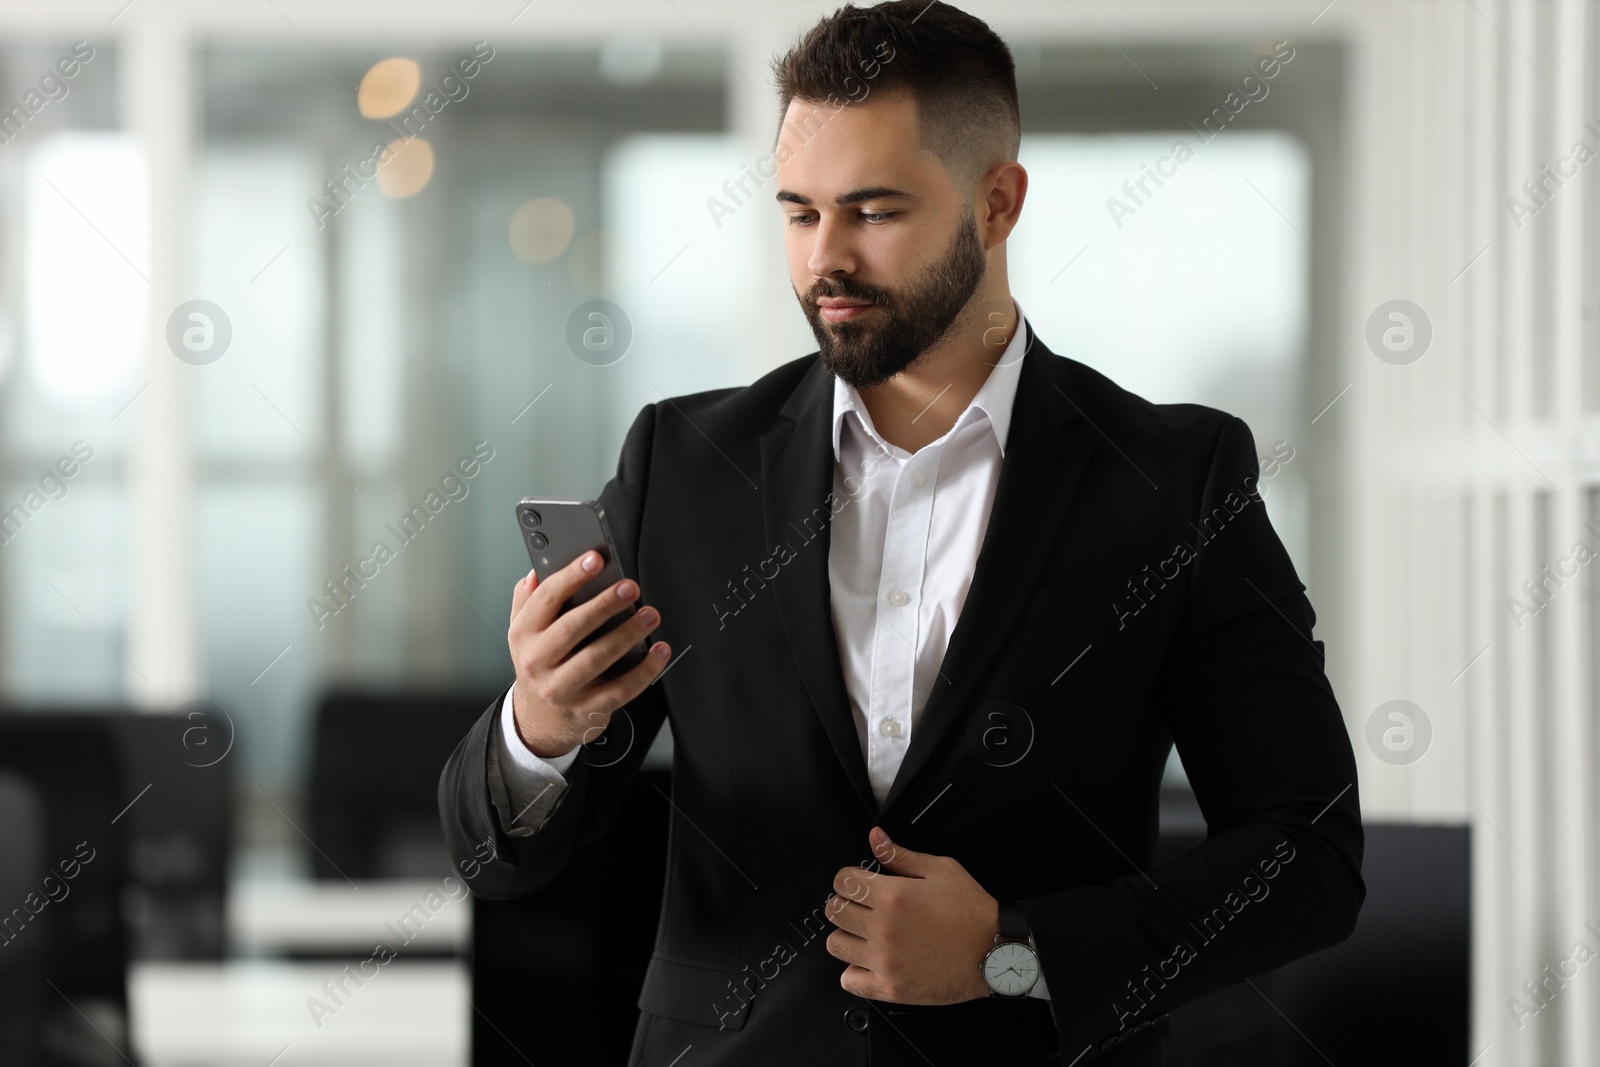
x: 579, y: 647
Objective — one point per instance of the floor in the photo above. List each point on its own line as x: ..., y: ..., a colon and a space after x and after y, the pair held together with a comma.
x: 375, y: 998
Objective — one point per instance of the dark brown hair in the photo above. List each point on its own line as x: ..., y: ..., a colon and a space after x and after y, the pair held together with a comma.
x: 958, y: 70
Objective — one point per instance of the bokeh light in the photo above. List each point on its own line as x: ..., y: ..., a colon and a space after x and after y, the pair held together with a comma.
x: 542, y: 228
x: 388, y: 87
x: 409, y: 168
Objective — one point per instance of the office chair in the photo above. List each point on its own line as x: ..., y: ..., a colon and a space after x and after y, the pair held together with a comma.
x: 1411, y: 947
x: 374, y: 780
x: 24, y: 942
x: 69, y: 763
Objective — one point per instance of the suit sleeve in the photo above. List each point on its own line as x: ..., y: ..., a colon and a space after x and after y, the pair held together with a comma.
x: 499, y: 865
x: 1256, y: 723
x: 524, y: 786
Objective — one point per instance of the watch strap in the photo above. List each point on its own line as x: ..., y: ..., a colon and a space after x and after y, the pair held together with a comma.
x: 1013, y: 923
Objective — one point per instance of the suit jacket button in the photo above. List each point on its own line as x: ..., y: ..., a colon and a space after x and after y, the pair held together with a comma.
x: 856, y: 1019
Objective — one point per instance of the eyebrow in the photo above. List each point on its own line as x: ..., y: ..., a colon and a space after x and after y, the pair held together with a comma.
x: 855, y: 196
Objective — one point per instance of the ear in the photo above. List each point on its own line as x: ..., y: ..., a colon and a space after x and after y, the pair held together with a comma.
x: 1004, y: 188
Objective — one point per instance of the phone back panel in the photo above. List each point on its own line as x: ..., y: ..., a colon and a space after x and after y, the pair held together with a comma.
x: 556, y: 532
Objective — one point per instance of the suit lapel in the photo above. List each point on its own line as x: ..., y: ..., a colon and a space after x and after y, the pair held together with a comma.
x: 797, y: 478
x: 1038, y: 478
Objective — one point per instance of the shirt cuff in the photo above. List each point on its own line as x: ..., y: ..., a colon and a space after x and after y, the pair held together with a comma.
x: 525, y: 787
x: 1039, y: 989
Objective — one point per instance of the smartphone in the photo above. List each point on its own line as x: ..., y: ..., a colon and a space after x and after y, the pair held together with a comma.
x: 558, y: 532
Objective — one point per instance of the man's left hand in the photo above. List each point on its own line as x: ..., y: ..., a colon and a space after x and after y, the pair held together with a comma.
x: 913, y: 933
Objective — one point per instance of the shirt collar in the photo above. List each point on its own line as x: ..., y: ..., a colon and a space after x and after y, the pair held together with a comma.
x: 994, y: 399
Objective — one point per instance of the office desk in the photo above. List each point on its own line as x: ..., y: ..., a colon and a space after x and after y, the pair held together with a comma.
x: 244, y: 1013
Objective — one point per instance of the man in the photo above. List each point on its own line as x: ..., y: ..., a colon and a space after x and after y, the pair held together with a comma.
x: 942, y: 602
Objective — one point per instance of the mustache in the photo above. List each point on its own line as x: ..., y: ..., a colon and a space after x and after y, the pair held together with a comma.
x: 846, y: 291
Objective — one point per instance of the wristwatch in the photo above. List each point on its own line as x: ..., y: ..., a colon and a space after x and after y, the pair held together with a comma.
x: 1011, y: 967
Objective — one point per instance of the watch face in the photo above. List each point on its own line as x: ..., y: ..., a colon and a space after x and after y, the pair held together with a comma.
x: 1011, y: 968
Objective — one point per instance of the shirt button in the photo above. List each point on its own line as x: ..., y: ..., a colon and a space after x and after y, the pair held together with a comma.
x: 898, y: 598
x: 889, y: 727
x: 856, y: 1019
x: 917, y: 477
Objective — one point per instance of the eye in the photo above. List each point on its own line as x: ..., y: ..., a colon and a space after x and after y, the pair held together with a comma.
x: 871, y: 218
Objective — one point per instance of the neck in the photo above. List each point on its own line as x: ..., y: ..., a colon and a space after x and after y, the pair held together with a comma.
x: 921, y: 403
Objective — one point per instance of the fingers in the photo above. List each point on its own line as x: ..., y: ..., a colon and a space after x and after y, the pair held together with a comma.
x: 571, y: 627
x: 521, y: 591
x: 847, y: 915
x: 544, y: 643
x: 555, y: 589
x: 855, y: 884
x: 587, y: 663
x: 624, y: 688
x: 853, y: 950
x: 538, y: 609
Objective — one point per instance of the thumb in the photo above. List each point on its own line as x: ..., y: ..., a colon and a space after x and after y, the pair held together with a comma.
x: 897, y: 859
x: 522, y: 591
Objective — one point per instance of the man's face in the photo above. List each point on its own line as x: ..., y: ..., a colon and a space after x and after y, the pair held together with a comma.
x: 883, y: 251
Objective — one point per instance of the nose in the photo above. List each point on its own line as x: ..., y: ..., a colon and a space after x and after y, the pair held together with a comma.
x: 831, y: 250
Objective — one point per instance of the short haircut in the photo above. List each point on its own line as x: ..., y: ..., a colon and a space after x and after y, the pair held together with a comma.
x: 958, y: 70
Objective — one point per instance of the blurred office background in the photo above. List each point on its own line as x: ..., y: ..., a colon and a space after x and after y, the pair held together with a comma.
x: 270, y: 763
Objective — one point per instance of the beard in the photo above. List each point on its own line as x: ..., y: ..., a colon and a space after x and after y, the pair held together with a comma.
x: 864, y: 352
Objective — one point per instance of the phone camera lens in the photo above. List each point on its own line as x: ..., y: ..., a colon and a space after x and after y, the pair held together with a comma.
x: 530, y: 519
x: 539, y: 541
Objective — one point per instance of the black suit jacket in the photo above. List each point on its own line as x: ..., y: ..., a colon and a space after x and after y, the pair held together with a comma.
x: 1130, y: 594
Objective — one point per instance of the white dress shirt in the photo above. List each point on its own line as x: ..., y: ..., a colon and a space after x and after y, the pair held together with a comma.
x: 901, y: 554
